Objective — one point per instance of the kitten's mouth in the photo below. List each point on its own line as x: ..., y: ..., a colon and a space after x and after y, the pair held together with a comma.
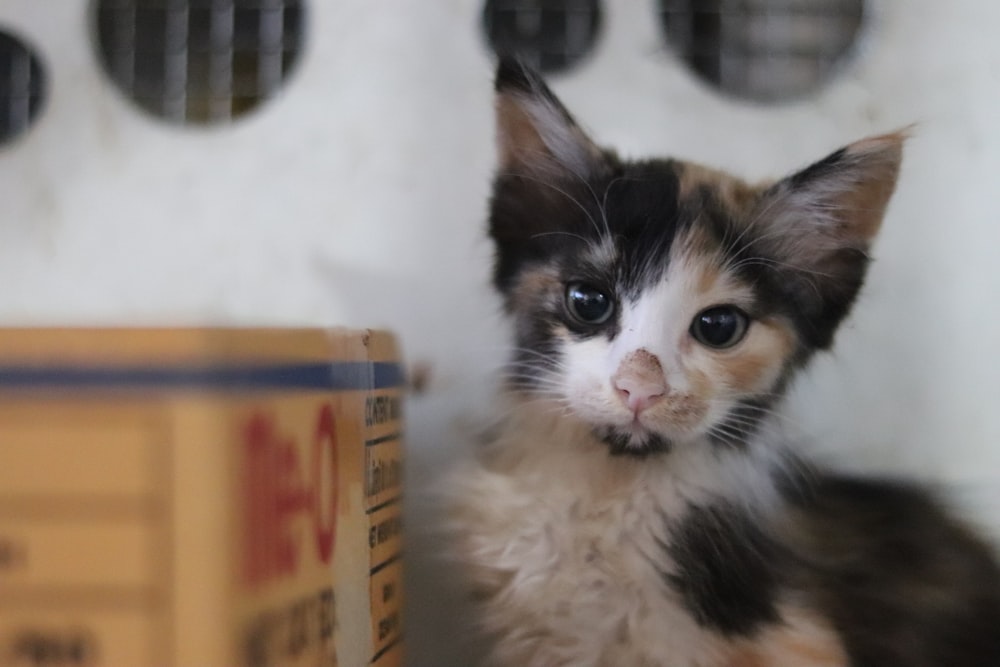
x: 637, y: 443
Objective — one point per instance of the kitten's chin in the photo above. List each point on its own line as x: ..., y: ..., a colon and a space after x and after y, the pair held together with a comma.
x: 637, y: 444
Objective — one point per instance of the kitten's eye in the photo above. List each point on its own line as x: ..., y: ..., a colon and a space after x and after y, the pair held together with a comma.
x: 720, y: 326
x: 587, y: 304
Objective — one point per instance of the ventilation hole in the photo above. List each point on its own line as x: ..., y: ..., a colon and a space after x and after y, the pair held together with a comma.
x: 23, y: 87
x: 550, y: 35
x: 762, y: 50
x: 199, y: 61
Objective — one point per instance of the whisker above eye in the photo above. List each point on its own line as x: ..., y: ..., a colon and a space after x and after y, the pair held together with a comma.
x: 557, y: 233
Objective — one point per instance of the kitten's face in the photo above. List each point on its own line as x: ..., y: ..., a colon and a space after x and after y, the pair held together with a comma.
x: 659, y: 301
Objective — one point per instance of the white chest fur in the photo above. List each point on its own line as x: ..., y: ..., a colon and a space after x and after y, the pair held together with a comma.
x: 565, y: 546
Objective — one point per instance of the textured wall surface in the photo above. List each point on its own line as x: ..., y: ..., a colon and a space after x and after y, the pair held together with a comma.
x: 357, y: 197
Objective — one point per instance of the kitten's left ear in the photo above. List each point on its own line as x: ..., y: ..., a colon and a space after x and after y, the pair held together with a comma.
x: 818, y: 225
x: 535, y: 132
x: 844, y: 196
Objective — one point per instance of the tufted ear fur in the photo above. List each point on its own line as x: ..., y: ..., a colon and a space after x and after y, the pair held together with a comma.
x: 544, y: 186
x: 816, y: 227
x: 535, y: 133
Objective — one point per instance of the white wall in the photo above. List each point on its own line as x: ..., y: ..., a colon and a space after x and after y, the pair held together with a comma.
x: 358, y: 198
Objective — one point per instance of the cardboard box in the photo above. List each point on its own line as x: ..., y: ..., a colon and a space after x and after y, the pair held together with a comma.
x: 197, y: 497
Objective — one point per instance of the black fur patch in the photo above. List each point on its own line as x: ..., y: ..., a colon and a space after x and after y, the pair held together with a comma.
x: 822, y: 169
x: 727, y: 568
x: 559, y: 217
x: 814, y: 302
x: 904, y: 584
x: 815, y: 299
x: 644, y: 217
x: 622, y: 444
x: 513, y: 75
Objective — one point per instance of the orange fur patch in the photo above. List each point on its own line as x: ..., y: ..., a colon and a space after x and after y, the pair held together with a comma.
x: 517, y: 137
x: 803, y: 640
x: 709, y: 275
x: 865, y: 203
x: 761, y: 355
x: 533, y: 285
x: 735, y: 195
x: 755, y: 362
x: 520, y: 125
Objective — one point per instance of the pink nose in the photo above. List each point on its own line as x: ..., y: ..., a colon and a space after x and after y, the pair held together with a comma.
x: 640, y: 381
x: 638, y: 393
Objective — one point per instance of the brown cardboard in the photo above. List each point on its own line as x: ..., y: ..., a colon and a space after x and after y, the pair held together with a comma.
x: 200, y: 497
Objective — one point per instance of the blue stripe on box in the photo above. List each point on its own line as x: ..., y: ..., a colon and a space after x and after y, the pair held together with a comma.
x: 338, y: 375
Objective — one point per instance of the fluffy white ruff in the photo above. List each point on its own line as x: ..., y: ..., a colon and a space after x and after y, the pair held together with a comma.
x: 564, y: 545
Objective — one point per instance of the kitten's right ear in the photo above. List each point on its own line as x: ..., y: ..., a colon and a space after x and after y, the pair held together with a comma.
x: 535, y: 133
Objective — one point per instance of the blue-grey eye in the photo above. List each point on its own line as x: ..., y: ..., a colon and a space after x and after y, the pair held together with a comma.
x: 720, y: 326
x: 587, y: 304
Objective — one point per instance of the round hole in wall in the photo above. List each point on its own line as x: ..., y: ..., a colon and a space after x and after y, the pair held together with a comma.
x: 762, y: 50
x: 199, y: 61
x: 550, y: 35
x: 23, y: 86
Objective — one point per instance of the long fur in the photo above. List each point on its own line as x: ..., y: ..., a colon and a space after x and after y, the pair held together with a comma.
x: 636, y: 502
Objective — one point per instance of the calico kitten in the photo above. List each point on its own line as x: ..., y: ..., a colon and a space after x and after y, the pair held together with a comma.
x: 636, y: 505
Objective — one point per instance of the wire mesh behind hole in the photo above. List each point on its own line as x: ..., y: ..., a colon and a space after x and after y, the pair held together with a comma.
x: 199, y: 61
x: 763, y: 50
x: 549, y: 35
x: 22, y: 87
